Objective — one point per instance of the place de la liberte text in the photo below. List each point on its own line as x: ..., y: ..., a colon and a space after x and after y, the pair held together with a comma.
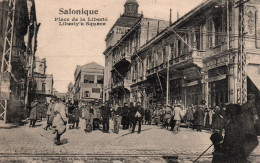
x: 91, y: 20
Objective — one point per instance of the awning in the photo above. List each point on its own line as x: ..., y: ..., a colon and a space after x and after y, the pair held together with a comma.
x: 253, y: 73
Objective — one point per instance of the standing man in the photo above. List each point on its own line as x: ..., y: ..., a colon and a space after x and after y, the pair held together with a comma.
x: 76, y: 114
x: 34, y: 113
x: 125, y: 116
x: 60, y: 120
x: 199, y: 116
x: 131, y: 114
x: 50, y: 114
x: 117, y: 118
x: 177, y: 117
x: 96, y: 116
x: 138, y: 117
x: 88, y: 116
x: 105, y: 114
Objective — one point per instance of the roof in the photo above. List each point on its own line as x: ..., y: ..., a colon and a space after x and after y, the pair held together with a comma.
x: 131, y: 2
x: 126, y: 21
x: 92, y: 65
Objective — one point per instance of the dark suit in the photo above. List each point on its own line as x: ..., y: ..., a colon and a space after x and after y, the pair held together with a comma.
x: 140, y: 110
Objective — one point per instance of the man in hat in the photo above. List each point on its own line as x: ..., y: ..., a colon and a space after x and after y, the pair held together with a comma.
x: 177, y: 116
x: 34, y: 115
x: 105, y: 114
x: 138, y: 117
x: 60, y: 120
x: 50, y: 114
x: 88, y: 116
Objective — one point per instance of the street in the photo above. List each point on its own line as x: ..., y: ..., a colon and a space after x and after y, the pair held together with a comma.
x: 152, y: 145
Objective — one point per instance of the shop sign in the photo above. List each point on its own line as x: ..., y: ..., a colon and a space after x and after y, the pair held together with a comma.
x: 5, y: 79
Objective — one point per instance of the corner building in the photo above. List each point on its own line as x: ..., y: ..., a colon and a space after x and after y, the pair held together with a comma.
x: 128, y: 34
x: 203, y: 50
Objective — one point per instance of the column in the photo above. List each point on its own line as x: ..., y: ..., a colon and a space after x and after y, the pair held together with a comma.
x: 205, y: 88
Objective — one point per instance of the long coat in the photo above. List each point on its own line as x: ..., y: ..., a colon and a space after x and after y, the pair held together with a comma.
x: 190, y: 116
x: 60, y: 119
x: 177, y: 113
x: 218, y: 120
x: 76, y: 114
x: 34, y: 115
x: 199, y: 117
x: 50, y: 112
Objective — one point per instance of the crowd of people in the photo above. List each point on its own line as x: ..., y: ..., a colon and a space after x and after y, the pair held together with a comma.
x: 238, y: 124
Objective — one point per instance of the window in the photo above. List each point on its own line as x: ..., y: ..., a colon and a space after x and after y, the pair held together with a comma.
x: 88, y: 78
x: 86, y: 94
x: 95, y: 90
x: 43, y: 87
x: 100, y: 79
x: 198, y: 40
x: 210, y: 33
x: 179, y: 48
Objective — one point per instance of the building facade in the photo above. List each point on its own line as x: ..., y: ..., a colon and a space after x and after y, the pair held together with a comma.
x: 88, y: 85
x: 18, y: 44
x: 201, y: 56
x: 44, y: 82
x: 118, y: 56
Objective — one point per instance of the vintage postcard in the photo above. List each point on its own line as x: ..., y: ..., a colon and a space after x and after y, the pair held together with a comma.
x: 125, y: 81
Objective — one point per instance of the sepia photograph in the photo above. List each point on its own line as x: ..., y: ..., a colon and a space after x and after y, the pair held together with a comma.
x: 130, y: 81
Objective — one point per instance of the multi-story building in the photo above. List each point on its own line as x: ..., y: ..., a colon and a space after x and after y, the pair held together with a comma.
x: 70, y: 92
x: 211, y: 53
x: 44, y: 82
x: 134, y: 31
x: 88, y: 84
x: 202, y: 51
x: 18, y: 35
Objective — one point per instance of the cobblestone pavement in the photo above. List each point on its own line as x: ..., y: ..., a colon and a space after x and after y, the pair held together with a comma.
x: 152, y: 145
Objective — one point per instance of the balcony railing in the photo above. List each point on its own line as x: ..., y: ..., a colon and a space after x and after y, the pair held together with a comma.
x: 121, y: 57
x: 196, y: 54
x: 123, y: 83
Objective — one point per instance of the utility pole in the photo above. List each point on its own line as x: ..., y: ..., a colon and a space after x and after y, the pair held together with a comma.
x: 168, y: 75
x: 242, y: 76
x: 6, y: 67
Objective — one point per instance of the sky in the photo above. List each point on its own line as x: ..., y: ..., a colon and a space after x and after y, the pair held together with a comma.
x: 65, y: 47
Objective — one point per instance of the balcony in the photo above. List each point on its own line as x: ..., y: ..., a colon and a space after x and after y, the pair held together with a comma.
x: 122, y: 60
x: 181, y: 62
x: 122, y: 84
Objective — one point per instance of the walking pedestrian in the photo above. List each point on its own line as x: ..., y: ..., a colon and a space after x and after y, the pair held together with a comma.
x: 167, y: 117
x: 50, y: 114
x: 138, y: 117
x: 125, y: 116
x: 60, y: 120
x: 34, y: 115
x: 147, y: 116
x: 105, y: 114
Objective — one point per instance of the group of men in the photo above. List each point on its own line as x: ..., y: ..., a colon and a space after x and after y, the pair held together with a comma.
x: 126, y: 115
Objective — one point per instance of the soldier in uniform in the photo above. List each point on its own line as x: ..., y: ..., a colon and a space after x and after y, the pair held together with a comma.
x: 60, y: 120
x: 50, y: 114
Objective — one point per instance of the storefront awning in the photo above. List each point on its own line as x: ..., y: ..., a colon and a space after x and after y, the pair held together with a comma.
x: 253, y: 73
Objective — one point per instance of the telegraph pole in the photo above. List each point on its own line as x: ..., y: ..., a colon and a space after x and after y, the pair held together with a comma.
x: 242, y: 76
